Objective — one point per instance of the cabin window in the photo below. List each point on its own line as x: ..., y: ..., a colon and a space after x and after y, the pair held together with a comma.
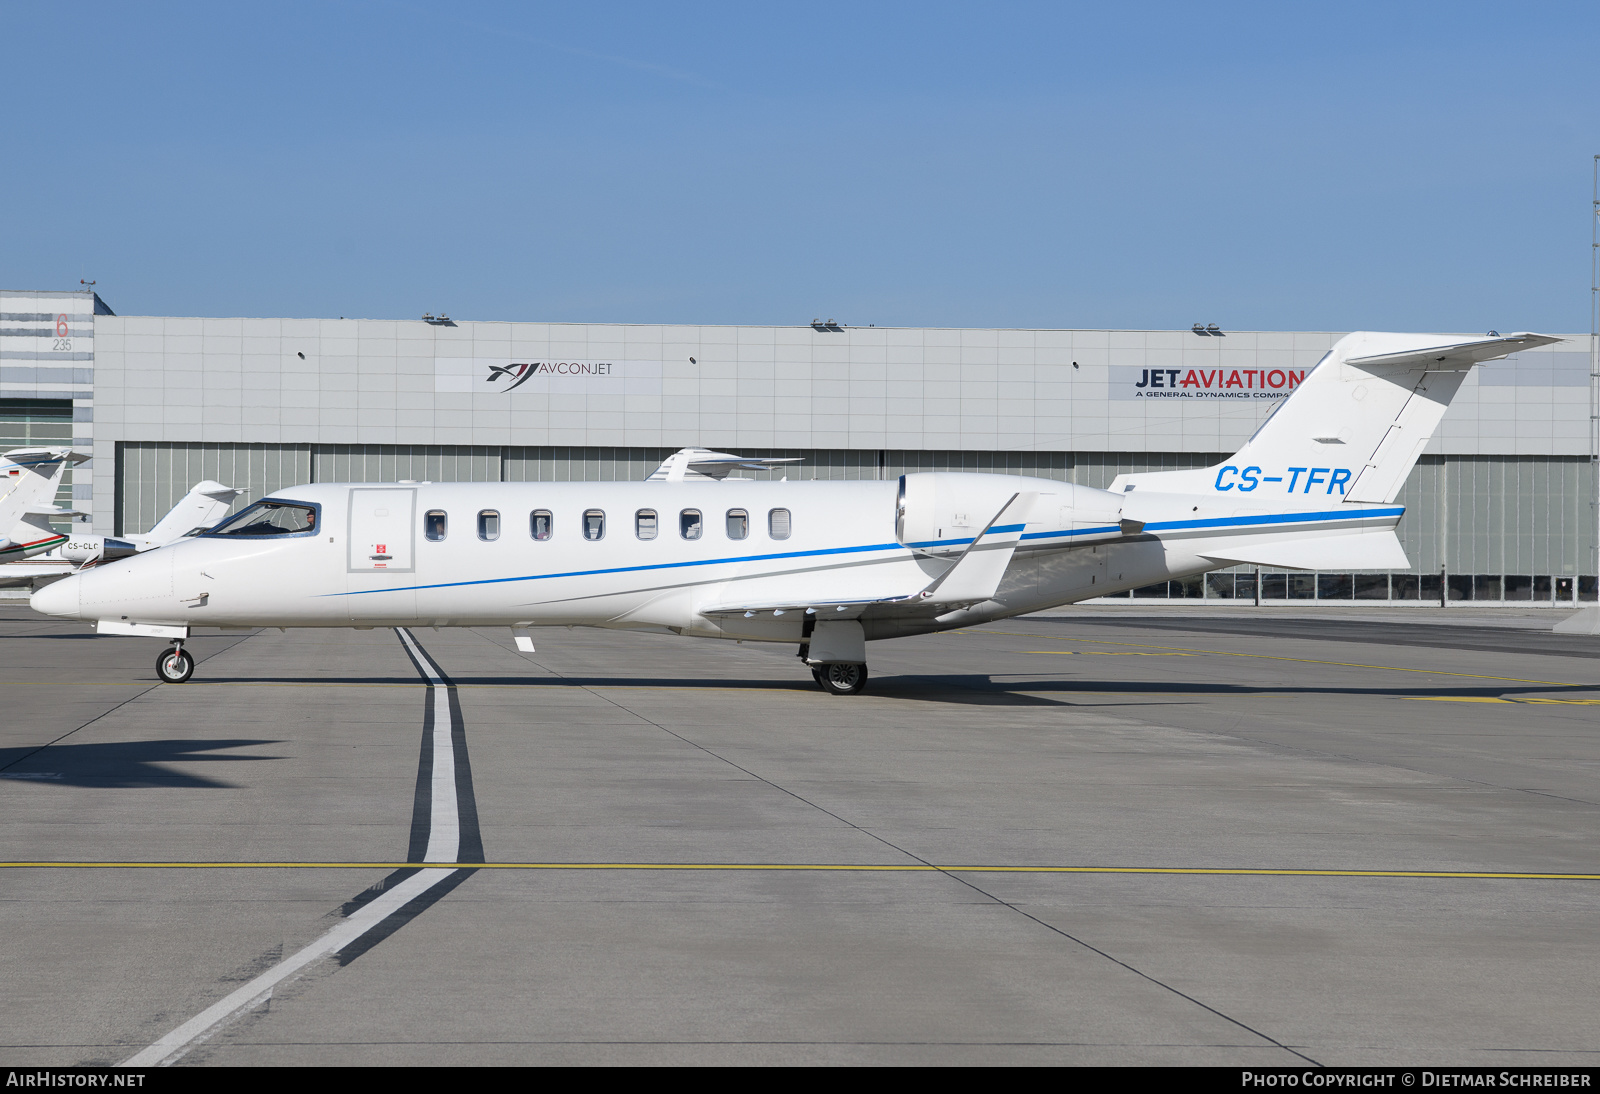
x: 435, y: 524
x: 690, y: 524
x: 778, y: 523
x: 488, y: 525
x: 644, y: 524
x: 540, y: 524
x: 738, y: 523
x: 594, y: 524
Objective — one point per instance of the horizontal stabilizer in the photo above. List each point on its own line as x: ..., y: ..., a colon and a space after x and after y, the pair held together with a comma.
x: 44, y: 455
x: 1371, y: 551
x: 702, y: 463
x: 1459, y: 354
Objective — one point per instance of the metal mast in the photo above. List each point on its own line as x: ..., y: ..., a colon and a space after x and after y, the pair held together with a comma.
x: 1594, y: 367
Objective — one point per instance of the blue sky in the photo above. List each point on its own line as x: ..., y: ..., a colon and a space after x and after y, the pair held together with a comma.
x: 1261, y: 166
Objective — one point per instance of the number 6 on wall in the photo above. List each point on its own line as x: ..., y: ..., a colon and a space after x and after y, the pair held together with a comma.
x: 61, y: 326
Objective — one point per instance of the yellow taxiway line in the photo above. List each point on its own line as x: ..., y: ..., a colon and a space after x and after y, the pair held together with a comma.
x: 842, y: 867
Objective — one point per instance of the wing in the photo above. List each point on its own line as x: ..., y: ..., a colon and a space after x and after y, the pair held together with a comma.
x: 974, y: 578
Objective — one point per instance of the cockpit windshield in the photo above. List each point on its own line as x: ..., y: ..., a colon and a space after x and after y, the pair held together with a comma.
x: 268, y: 518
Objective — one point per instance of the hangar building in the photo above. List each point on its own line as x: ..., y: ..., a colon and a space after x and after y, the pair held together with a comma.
x: 1500, y: 509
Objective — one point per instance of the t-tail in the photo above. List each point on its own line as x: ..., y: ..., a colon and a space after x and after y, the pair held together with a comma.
x: 31, y: 477
x: 1314, y: 487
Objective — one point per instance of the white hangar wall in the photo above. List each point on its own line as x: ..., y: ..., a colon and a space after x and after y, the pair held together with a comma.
x: 267, y: 403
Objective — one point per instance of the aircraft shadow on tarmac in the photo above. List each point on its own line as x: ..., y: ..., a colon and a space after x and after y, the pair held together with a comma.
x: 123, y: 764
x: 1026, y: 689
x: 978, y: 689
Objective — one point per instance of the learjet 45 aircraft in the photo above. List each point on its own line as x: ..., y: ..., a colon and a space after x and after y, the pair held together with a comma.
x: 826, y: 566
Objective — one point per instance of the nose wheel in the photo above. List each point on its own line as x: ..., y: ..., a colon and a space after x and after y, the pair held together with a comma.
x: 174, y: 666
x: 841, y: 679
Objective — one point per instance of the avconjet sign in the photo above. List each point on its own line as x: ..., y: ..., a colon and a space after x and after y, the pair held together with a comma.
x: 1217, y: 383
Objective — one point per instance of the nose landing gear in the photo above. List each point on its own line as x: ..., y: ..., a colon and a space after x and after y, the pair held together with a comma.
x: 841, y: 678
x: 175, y: 665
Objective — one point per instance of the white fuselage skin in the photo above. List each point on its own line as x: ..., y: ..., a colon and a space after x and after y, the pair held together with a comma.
x: 842, y: 545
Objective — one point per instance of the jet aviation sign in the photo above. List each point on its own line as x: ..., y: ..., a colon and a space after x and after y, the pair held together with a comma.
x: 1205, y: 383
x: 502, y: 375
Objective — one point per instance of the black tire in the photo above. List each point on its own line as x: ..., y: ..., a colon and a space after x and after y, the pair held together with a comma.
x: 842, y: 679
x: 174, y: 666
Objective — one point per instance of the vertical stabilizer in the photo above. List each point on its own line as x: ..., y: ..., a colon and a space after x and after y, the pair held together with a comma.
x: 1354, y: 428
x: 201, y: 507
x: 34, y: 475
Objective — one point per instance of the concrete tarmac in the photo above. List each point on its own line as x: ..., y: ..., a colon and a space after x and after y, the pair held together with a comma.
x: 1307, y: 753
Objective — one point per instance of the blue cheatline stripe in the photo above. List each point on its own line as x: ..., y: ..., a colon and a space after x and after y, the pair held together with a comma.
x: 1273, y: 518
x: 1165, y: 526
x: 1073, y: 532
x: 635, y: 569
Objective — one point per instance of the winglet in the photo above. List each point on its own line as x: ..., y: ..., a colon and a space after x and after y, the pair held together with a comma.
x: 976, y: 575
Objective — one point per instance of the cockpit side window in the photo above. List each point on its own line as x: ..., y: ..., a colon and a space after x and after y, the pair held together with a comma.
x: 269, y: 518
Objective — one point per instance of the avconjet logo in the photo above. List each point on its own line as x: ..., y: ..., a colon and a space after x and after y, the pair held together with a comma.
x: 518, y: 373
x: 1218, y: 383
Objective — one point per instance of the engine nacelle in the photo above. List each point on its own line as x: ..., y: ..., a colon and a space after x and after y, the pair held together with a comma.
x: 91, y: 548
x: 940, y: 512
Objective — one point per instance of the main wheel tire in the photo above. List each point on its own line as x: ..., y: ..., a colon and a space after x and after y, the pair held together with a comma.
x: 842, y: 679
x: 174, y: 666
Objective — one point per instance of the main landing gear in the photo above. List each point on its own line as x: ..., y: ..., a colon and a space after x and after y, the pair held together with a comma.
x: 841, y: 678
x: 175, y: 665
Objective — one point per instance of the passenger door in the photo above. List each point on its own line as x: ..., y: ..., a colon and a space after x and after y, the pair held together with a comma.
x: 382, y: 553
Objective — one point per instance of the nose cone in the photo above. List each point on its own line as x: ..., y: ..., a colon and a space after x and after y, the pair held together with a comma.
x: 59, y: 597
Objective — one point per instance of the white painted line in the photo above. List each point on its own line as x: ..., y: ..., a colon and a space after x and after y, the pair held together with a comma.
x: 176, y: 1043
x: 444, y: 828
x: 444, y: 844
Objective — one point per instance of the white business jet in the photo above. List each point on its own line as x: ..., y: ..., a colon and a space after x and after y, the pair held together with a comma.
x: 827, y: 566
x: 29, y: 478
x: 200, y: 509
